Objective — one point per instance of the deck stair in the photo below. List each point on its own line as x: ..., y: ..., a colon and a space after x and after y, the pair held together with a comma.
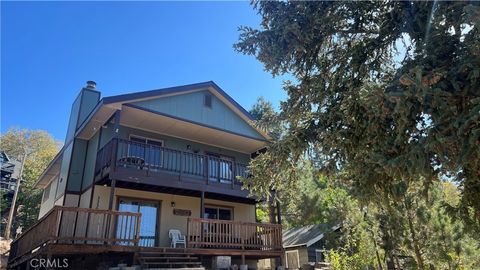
x: 169, y: 259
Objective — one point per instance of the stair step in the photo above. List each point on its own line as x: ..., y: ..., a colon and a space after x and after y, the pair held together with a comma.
x: 181, y: 268
x: 175, y: 263
x: 168, y: 258
x: 165, y: 253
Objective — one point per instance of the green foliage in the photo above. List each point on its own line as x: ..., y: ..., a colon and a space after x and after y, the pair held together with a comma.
x: 40, y: 148
x: 262, y: 214
x: 385, y: 92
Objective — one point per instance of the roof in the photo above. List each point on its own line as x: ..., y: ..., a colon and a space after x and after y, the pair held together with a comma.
x: 175, y: 90
x: 306, y: 235
x: 123, y: 99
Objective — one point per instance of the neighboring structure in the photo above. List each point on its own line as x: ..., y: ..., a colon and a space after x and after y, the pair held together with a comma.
x: 305, y: 245
x: 10, y: 174
x: 138, y: 165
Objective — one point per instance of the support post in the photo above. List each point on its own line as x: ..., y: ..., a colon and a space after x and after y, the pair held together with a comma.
x: 202, y: 204
x: 112, y: 194
x: 116, y: 125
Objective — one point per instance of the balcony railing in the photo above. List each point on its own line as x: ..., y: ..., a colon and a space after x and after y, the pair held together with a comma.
x: 225, y: 234
x: 72, y: 225
x: 152, y: 158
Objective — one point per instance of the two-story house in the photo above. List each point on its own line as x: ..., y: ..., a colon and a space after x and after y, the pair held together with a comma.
x: 136, y: 166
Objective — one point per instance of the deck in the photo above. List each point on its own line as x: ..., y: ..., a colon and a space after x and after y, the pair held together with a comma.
x: 75, y: 231
x: 145, y: 164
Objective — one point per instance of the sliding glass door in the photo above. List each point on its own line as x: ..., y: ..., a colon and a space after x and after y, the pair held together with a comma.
x: 149, y: 220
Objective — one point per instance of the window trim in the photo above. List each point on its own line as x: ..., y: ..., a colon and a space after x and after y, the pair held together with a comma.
x: 146, y: 139
x: 218, y: 207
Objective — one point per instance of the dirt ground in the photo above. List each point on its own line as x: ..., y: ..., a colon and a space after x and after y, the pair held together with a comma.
x: 4, y: 248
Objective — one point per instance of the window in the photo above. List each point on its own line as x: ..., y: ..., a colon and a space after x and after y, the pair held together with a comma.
x: 149, y: 141
x: 220, y: 168
x: 137, y: 148
x: 46, y: 192
x: 207, y: 100
x: 215, y: 212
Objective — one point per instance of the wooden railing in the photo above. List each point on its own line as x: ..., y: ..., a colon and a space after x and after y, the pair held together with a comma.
x: 152, y: 158
x: 212, y: 233
x: 72, y: 225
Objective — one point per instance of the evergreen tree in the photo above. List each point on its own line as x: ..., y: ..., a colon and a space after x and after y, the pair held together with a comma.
x: 384, y: 92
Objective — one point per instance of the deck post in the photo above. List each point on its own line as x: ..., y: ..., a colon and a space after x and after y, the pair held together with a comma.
x: 113, y: 165
x: 112, y: 194
x: 202, y: 204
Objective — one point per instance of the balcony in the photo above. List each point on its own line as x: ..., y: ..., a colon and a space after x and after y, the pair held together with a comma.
x: 142, y: 163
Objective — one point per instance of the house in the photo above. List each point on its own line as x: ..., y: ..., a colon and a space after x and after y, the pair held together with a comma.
x: 10, y: 173
x: 305, y: 245
x: 134, y: 167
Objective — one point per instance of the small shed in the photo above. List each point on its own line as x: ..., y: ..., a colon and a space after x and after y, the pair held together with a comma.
x: 305, y: 244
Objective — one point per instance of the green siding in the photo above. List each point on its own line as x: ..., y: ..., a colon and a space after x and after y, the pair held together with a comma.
x: 89, y: 101
x: 190, y: 107
x: 107, y: 134
x: 72, y: 123
x: 67, y: 154
x: 76, y: 165
x: 90, y: 161
x: 81, y: 108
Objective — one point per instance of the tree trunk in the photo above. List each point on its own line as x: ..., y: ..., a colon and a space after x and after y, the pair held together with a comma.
x: 271, y: 211
x: 380, y: 267
x: 416, y: 248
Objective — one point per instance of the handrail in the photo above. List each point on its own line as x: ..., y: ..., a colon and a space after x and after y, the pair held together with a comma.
x: 151, y: 158
x: 74, y: 225
x: 212, y: 233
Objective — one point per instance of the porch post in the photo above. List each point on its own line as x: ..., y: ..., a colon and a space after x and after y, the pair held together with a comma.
x: 112, y: 194
x: 202, y: 204
x: 116, y: 124
x: 114, y: 151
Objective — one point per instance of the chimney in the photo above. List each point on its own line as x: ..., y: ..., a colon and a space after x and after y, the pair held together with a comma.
x: 91, y: 84
x: 83, y: 105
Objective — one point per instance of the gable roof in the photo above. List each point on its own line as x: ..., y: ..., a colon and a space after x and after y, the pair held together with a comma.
x: 306, y: 235
x: 178, y: 90
x: 174, y: 90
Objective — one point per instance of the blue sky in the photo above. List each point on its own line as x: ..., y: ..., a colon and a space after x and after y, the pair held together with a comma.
x: 49, y: 50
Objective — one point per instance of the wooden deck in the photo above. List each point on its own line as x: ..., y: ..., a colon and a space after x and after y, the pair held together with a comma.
x: 140, y: 163
x: 77, y: 231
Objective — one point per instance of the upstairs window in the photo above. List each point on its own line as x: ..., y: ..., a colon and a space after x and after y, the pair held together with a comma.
x: 207, y: 100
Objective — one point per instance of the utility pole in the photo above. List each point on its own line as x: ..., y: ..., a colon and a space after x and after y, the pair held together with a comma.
x: 14, y: 200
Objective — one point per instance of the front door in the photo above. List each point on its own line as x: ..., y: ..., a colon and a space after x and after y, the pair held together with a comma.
x: 149, y: 219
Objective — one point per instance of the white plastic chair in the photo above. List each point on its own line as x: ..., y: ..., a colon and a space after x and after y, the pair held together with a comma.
x: 176, y: 238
